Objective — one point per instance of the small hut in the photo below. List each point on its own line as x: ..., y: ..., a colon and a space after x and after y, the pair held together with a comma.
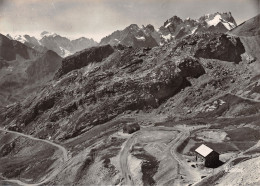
x: 131, y: 128
x: 208, y: 155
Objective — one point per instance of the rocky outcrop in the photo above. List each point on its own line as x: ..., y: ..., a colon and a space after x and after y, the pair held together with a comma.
x: 190, y: 67
x: 223, y: 47
x: 83, y: 58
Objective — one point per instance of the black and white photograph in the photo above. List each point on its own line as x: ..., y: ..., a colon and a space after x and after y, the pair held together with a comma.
x: 129, y: 92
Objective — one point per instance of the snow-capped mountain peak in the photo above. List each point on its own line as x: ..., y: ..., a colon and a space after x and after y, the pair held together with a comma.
x: 20, y: 38
x: 48, y: 34
x: 52, y: 41
x: 219, y: 18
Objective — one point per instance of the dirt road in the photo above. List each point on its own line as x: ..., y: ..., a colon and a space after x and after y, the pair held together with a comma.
x: 193, y: 175
x: 171, y: 150
x: 245, y: 98
x: 123, y: 160
x: 54, y: 173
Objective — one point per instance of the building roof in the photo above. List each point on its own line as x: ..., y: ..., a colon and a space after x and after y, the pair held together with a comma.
x: 203, y: 150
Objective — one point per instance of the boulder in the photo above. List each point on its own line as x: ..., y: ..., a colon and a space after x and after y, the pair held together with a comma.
x: 222, y: 47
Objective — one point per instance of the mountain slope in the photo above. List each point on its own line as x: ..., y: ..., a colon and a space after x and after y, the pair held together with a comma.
x: 249, y: 33
x: 248, y: 28
x: 23, y: 69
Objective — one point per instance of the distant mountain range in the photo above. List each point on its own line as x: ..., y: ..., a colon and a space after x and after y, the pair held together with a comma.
x: 173, y: 28
x: 133, y: 35
x: 51, y: 41
x: 23, y: 69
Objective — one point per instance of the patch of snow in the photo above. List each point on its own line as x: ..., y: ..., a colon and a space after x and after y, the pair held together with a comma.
x: 215, y: 20
x: 166, y: 26
x: 229, y: 25
x: 221, y: 102
x: 38, y: 41
x: 218, y: 19
x: 49, y: 34
x: 117, y: 40
x: 193, y: 30
x: 167, y: 37
x: 65, y: 52
x: 142, y: 38
x: 20, y: 38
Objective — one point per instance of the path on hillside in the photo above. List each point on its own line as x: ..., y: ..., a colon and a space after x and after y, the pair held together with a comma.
x: 192, y: 174
x: 245, y: 98
x: 171, y: 150
x: 124, y: 162
x: 54, y: 173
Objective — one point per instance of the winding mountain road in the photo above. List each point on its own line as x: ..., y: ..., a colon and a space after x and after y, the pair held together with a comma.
x: 54, y: 173
x: 171, y: 150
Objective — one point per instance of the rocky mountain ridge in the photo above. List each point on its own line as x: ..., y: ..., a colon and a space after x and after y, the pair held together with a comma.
x: 133, y: 35
x: 173, y: 28
x: 59, y: 44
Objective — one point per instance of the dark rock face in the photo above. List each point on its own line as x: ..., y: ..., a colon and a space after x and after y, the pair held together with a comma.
x: 190, y: 67
x: 6, y: 46
x: 223, y: 47
x: 83, y: 58
x: 131, y: 128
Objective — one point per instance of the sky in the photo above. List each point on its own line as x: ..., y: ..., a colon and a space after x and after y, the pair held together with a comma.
x: 98, y: 18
